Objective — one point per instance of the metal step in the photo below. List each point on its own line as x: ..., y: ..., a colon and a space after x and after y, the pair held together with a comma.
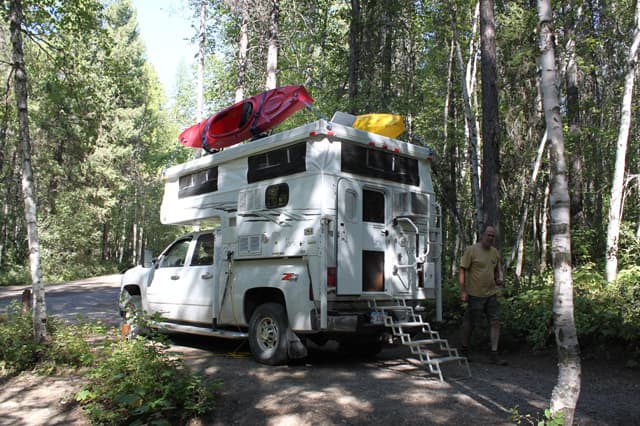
x: 202, y: 331
x: 425, y: 342
x: 418, y: 347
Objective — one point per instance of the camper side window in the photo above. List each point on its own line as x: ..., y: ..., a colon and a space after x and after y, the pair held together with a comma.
x: 277, y: 196
x: 176, y: 255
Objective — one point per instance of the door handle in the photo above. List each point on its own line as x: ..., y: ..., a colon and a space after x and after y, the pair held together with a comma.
x: 175, y: 277
x: 206, y: 276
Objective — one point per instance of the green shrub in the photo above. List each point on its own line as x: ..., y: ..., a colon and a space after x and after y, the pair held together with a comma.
x: 139, y: 382
x: 68, y: 345
x: 18, y: 348
x: 16, y: 275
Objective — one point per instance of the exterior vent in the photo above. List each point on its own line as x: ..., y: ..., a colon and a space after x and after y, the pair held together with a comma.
x: 249, y: 244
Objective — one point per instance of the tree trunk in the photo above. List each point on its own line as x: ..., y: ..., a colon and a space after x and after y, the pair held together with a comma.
x: 243, y: 47
x: 615, y: 206
x: 564, y: 396
x: 202, y: 37
x: 526, y: 201
x: 354, y: 54
x: 272, y: 54
x: 490, y: 135
x: 473, y: 136
x: 28, y: 180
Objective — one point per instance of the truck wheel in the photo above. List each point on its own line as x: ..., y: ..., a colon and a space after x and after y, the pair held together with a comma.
x: 268, y: 334
x: 132, y: 317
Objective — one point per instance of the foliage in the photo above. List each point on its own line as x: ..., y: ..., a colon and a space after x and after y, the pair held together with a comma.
x: 547, y: 419
x: 18, y: 348
x: 66, y: 345
x: 603, y: 313
x: 139, y: 382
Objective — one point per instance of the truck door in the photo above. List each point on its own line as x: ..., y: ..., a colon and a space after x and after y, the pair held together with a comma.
x: 362, y: 238
x: 181, y: 288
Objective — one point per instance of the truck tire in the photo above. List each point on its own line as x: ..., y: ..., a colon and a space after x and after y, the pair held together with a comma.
x: 268, y: 334
x: 131, y: 326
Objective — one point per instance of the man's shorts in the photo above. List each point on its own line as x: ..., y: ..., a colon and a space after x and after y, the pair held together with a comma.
x: 481, y: 306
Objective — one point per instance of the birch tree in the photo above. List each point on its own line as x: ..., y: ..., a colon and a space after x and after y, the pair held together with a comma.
x: 28, y: 180
x: 474, y: 141
x: 272, y: 52
x: 564, y: 396
x: 616, y: 205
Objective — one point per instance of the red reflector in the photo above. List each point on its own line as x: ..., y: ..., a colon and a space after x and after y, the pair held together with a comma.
x: 396, y: 149
x: 331, y: 277
x: 312, y: 133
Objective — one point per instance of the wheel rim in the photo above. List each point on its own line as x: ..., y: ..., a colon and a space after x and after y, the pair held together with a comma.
x: 268, y: 333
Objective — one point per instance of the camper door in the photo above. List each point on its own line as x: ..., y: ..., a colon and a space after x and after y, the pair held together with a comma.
x: 362, y: 238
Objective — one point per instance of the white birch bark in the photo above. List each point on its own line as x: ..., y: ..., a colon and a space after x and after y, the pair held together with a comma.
x: 525, y: 210
x: 200, y: 66
x: 617, y: 186
x: 564, y: 396
x: 39, y: 310
x: 473, y: 135
x: 272, y: 52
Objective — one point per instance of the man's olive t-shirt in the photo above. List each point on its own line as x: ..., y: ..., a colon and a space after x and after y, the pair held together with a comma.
x: 480, y: 266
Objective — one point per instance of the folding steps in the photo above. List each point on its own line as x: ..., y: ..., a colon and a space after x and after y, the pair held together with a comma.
x: 404, y: 322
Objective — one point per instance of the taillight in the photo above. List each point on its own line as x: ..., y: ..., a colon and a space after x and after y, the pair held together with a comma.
x: 331, y: 277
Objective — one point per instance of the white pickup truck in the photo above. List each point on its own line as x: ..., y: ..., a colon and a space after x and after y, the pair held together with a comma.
x: 312, y: 230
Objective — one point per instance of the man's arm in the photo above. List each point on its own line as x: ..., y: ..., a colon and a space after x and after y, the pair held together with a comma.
x: 464, y: 296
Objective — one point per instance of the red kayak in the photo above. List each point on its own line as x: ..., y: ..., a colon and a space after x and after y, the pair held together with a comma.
x: 246, y: 119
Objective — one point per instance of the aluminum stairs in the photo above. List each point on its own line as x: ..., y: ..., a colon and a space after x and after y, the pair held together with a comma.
x: 404, y: 323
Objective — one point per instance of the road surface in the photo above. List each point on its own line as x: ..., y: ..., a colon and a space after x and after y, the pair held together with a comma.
x: 91, y: 298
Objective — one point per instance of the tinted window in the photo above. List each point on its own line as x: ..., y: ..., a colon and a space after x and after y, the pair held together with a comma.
x: 201, y: 182
x: 203, y: 254
x: 277, y: 196
x: 279, y: 162
x: 372, y: 206
x: 379, y: 164
x: 176, y: 255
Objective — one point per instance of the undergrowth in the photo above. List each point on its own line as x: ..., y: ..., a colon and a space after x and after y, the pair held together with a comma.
x: 134, y: 381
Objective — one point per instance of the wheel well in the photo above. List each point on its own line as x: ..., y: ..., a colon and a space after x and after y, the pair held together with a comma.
x: 258, y: 296
x: 132, y: 289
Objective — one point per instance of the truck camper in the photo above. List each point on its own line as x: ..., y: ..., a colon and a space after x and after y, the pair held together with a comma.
x: 316, y: 233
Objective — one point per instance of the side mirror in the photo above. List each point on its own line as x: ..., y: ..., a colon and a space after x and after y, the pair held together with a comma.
x: 147, y: 258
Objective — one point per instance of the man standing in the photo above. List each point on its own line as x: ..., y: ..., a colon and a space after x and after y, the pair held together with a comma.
x: 480, y: 275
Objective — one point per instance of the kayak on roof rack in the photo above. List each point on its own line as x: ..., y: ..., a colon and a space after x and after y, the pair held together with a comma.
x: 246, y: 119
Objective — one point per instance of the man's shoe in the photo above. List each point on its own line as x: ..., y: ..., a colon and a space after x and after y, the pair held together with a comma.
x: 495, y: 359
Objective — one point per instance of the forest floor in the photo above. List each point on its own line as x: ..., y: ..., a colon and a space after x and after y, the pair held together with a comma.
x: 333, y: 388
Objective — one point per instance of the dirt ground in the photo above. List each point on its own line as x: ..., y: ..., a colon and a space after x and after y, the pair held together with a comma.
x: 334, y: 388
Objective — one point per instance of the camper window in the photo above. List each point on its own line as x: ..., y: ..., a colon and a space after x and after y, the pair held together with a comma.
x: 372, y: 206
x: 278, y: 162
x: 379, y: 164
x: 277, y: 196
x: 201, y: 182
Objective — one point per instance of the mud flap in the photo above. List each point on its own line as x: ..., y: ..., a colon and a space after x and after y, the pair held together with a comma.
x: 296, y: 348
